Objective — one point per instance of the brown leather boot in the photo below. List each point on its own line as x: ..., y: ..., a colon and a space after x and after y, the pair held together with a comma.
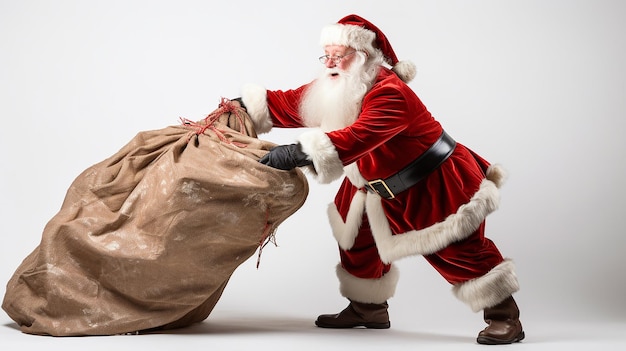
x: 504, y: 325
x: 357, y: 314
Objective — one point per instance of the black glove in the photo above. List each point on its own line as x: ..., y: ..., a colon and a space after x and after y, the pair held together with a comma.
x: 286, y: 157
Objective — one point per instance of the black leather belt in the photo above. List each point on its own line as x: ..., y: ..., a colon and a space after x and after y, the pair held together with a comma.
x: 416, y: 170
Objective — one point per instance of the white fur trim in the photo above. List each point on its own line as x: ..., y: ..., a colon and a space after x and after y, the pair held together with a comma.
x: 353, y: 36
x: 497, y: 174
x: 368, y: 290
x: 327, y: 166
x: 490, y: 289
x: 406, y: 70
x: 455, y: 227
x: 346, y: 232
x: 255, y: 98
x: 354, y: 175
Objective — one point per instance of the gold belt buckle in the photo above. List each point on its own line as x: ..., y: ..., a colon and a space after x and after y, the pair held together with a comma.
x: 380, y: 181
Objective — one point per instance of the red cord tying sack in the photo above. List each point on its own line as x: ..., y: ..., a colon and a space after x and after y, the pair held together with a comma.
x: 149, y: 237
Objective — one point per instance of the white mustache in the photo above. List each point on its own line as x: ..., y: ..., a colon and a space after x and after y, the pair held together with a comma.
x: 336, y: 71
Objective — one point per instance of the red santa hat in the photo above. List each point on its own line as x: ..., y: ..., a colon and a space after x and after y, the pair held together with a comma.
x: 358, y: 33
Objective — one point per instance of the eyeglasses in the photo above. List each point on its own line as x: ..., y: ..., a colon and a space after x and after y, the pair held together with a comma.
x: 336, y: 59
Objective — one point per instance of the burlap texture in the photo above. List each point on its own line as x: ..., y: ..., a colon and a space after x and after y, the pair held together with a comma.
x: 149, y: 237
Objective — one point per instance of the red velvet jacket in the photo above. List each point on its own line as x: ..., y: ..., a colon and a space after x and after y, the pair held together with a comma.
x: 393, y: 128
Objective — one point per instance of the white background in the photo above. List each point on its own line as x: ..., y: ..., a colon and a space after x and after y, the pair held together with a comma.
x: 538, y: 86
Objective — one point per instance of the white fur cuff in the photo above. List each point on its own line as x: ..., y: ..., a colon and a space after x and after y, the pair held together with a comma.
x: 326, y: 163
x: 368, y: 290
x: 255, y: 98
x: 490, y: 289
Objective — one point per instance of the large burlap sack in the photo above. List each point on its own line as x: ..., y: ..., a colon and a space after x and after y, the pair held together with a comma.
x: 149, y: 237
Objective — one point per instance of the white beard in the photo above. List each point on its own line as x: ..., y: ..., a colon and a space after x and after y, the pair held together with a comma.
x: 333, y: 104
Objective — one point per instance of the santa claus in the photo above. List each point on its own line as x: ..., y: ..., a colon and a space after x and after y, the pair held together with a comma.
x: 409, y: 188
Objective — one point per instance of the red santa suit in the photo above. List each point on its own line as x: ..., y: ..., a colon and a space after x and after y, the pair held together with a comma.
x: 442, y: 217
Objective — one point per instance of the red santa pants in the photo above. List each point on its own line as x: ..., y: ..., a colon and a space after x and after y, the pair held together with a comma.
x: 459, y: 262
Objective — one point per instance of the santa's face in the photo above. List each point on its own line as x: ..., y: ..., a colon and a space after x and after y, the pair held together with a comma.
x: 338, y: 59
x: 333, y: 101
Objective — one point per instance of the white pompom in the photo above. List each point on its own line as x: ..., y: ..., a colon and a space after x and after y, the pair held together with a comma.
x: 406, y: 70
